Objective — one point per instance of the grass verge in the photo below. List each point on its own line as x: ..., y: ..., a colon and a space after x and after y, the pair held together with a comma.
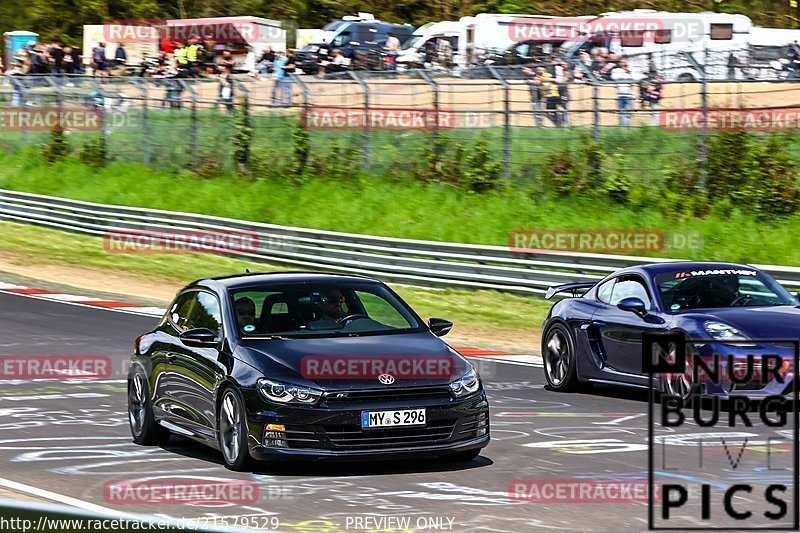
x: 482, y: 317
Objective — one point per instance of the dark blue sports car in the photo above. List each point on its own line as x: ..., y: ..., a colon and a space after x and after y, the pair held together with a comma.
x: 596, y: 335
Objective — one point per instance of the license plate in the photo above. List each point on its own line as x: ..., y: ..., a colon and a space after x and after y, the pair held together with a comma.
x: 388, y: 419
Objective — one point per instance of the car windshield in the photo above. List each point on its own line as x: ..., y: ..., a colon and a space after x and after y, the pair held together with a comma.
x: 681, y: 290
x: 321, y: 310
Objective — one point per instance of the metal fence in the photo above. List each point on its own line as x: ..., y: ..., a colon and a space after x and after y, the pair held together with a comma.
x: 387, y: 121
x: 423, y: 263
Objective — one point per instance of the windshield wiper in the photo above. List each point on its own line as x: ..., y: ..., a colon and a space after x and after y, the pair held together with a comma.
x: 270, y: 337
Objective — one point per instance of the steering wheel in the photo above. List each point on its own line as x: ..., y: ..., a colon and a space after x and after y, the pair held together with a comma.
x: 350, y: 318
x: 741, y: 300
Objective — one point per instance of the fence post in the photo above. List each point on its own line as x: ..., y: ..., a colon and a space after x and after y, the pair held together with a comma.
x: 193, y: 124
x: 365, y: 134
x: 704, y: 129
x: 101, y: 100
x: 506, y: 121
x: 436, y: 144
x: 20, y: 99
x: 145, y: 121
x: 596, y: 110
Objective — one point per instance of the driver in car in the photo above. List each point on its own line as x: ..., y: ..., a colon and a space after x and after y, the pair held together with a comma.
x: 330, y: 305
x: 245, y: 312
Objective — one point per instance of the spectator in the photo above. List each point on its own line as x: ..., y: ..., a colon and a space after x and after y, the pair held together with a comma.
x: 391, y: 48
x: 282, y: 69
x: 611, y: 63
x: 624, y: 78
x: 99, y: 61
x: 733, y: 64
x: 537, y: 98
x: 226, y: 62
x: 56, y: 54
x: 429, y: 51
x: 651, y: 95
x: 444, y: 52
x: 121, y: 55
x: 77, y: 59
x: 226, y: 87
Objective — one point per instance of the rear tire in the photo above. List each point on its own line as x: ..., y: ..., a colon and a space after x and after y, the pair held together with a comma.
x: 144, y: 428
x: 232, y: 431
x: 560, y: 364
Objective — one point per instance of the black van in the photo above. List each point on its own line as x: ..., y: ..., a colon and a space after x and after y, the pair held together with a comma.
x: 355, y: 38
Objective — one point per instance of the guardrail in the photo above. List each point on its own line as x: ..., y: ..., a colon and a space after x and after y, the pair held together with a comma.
x: 416, y: 262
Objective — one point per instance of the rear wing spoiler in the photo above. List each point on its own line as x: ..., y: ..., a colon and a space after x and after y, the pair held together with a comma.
x: 575, y: 288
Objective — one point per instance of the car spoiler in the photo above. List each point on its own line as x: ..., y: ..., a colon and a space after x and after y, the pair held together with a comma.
x: 574, y: 288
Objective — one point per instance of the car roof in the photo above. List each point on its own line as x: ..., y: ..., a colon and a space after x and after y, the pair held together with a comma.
x: 254, y: 279
x: 654, y: 269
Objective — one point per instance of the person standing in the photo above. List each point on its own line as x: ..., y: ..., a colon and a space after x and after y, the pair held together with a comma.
x: 282, y: 69
x: 624, y: 78
x: 99, y: 60
x: 226, y: 87
x: 392, y: 49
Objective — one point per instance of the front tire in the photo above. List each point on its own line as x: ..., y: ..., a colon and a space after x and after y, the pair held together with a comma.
x: 233, y: 434
x: 560, y: 363
x: 144, y: 428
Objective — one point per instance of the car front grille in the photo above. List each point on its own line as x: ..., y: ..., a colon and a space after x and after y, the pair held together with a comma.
x: 352, y: 437
x: 386, y: 395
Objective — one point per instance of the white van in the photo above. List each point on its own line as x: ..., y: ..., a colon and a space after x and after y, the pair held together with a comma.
x: 473, y: 38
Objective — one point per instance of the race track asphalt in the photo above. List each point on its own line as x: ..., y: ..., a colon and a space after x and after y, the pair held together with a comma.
x: 70, y: 438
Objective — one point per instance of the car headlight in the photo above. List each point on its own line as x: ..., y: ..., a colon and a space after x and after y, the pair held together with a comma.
x: 278, y: 392
x: 466, y: 384
x: 724, y: 332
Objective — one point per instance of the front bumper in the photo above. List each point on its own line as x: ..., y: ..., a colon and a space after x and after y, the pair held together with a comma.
x: 452, y: 425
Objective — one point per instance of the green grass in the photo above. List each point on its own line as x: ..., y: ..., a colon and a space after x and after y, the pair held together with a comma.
x: 394, y: 207
x: 517, y: 315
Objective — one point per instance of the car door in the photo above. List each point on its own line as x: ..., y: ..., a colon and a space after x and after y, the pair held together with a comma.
x: 163, y: 353
x: 620, y: 332
x: 197, y: 371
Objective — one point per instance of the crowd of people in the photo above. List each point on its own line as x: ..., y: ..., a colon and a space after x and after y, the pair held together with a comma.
x: 549, y: 86
x: 46, y: 58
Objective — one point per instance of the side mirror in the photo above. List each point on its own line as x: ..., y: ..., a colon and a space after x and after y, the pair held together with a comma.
x: 634, y: 305
x: 796, y: 296
x: 439, y: 326
x: 199, y: 337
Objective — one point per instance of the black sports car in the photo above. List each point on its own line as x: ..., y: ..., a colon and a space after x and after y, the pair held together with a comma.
x: 596, y: 336
x: 273, y: 366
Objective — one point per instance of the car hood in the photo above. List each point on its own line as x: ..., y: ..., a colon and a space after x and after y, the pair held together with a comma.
x: 291, y: 360
x: 778, y: 322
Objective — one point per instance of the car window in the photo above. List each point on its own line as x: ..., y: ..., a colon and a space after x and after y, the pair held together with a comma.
x: 604, y: 290
x: 205, y: 312
x: 381, y: 311
x: 179, y: 312
x: 321, y: 310
x: 629, y: 288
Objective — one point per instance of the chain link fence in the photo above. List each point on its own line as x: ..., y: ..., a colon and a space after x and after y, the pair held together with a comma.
x: 390, y: 120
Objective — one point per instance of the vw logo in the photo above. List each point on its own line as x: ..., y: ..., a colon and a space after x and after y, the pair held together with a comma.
x: 386, y: 379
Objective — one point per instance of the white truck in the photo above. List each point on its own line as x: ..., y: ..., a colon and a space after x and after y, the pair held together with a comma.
x: 682, y: 46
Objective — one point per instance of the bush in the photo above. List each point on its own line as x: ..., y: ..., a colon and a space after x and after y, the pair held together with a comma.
x: 57, y: 147
x: 95, y: 152
x: 482, y: 173
x: 302, y: 149
x: 569, y: 171
x: 242, y: 135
